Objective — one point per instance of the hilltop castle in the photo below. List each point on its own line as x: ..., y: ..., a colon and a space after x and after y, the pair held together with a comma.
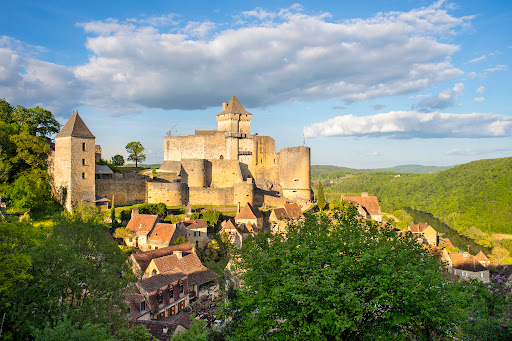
x: 212, y: 167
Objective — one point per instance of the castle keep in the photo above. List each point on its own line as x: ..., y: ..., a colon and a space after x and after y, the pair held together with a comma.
x: 231, y: 163
x: 227, y: 166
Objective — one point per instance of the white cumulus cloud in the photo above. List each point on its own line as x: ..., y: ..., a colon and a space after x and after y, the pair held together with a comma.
x: 479, y: 99
x: 413, y: 124
x: 444, y: 99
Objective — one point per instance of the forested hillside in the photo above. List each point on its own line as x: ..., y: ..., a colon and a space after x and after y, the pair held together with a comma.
x: 476, y: 194
x: 324, y: 172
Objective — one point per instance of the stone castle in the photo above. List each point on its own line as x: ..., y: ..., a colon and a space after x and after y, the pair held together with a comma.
x: 227, y: 166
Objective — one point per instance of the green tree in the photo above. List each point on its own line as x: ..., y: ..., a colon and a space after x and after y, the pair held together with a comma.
x: 118, y: 160
x: 211, y: 217
x: 197, y: 332
x: 136, y: 152
x: 31, y: 190
x: 321, y: 196
x: 123, y: 233
x: 335, y: 278
x: 77, y: 271
x: 180, y: 240
x: 38, y: 121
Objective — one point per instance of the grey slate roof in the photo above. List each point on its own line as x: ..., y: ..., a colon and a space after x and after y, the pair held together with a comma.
x: 75, y: 127
x: 103, y: 169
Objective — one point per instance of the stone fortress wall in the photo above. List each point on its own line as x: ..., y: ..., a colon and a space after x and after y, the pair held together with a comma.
x: 228, y: 166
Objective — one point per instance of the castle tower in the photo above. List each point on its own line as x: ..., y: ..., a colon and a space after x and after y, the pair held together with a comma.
x: 234, y: 118
x: 74, y: 163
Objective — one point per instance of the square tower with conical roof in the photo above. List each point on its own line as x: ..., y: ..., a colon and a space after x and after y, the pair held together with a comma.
x: 234, y: 118
x: 74, y: 164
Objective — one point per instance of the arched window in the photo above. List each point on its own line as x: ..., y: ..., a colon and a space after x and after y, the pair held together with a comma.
x: 222, y: 157
x: 180, y: 286
x: 160, y: 297
x: 153, y: 273
x: 170, y: 290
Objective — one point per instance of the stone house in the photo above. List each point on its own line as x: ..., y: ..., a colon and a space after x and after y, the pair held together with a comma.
x: 164, y: 235
x: 236, y: 233
x: 280, y: 216
x: 466, y: 266
x: 424, y: 233
x: 140, y: 261
x: 196, y: 231
x: 251, y: 217
x: 141, y: 225
x: 482, y: 258
x: 367, y: 206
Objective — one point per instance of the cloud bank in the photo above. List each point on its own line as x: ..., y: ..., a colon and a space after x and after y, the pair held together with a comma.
x: 268, y: 58
x: 413, y: 124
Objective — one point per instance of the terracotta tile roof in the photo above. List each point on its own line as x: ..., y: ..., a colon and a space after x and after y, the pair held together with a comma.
x: 418, y: 228
x: 482, y: 257
x: 75, y: 127
x: 188, y: 263
x: 280, y: 213
x: 235, y: 107
x: 229, y: 225
x: 194, y: 224
x: 464, y: 261
x: 142, y: 222
x: 447, y: 242
x: 162, y: 232
x: 249, y: 212
x: 244, y: 228
x: 370, y: 203
x: 201, y: 277
x: 160, y: 281
x: 144, y: 258
x: 294, y: 211
x: 156, y: 328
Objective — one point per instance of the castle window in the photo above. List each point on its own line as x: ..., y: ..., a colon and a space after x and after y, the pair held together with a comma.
x: 83, y: 162
x: 83, y: 146
x: 83, y: 175
x: 222, y: 157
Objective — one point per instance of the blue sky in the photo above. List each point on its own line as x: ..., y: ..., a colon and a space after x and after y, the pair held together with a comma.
x: 368, y: 83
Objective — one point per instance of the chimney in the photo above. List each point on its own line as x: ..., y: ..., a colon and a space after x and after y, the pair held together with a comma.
x: 364, y: 194
x: 135, y: 211
x: 178, y: 254
x: 224, y: 106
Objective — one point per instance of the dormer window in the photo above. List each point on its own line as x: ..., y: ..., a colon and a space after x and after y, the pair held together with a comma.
x: 143, y: 306
x: 160, y: 297
x: 180, y: 286
x: 170, y: 290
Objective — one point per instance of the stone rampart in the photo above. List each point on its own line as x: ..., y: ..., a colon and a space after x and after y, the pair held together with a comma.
x: 171, y: 194
x: 125, y: 189
x: 210, y: 196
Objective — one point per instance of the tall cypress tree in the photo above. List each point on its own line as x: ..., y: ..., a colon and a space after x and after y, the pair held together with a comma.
x: 321, y: 196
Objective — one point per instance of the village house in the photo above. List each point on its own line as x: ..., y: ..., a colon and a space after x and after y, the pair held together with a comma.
x: 141, y: 226
x: 164, y: 235
x: 280, y: 216
x: 196, y: 231
x: 236, y: 233
x: 482, y: 258
x: 251, y: 217
x: 172, y: 277
x: 424, y: 233
x: 367, y: 206
x: 465, y: 266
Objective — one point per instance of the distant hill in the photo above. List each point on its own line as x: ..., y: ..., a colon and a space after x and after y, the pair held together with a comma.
x: 324, y: 172
x: 478, y: 193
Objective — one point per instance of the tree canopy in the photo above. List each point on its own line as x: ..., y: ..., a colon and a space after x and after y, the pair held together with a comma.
x: 117, y: 160
x: 136, y: 152
x: 336, y: 278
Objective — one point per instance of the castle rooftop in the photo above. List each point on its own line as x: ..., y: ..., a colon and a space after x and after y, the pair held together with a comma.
x: 234, y: 107
x: 75, y: 127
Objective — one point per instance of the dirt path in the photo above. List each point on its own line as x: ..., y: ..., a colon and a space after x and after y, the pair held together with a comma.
x: 502, y: 236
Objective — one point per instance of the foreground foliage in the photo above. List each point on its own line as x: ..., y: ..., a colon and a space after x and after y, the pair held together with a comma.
x: 69, y: 278
x: 334, y: 278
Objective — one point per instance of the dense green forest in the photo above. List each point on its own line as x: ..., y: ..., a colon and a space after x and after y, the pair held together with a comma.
x: 323, y: 172
x: 474, y: 194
